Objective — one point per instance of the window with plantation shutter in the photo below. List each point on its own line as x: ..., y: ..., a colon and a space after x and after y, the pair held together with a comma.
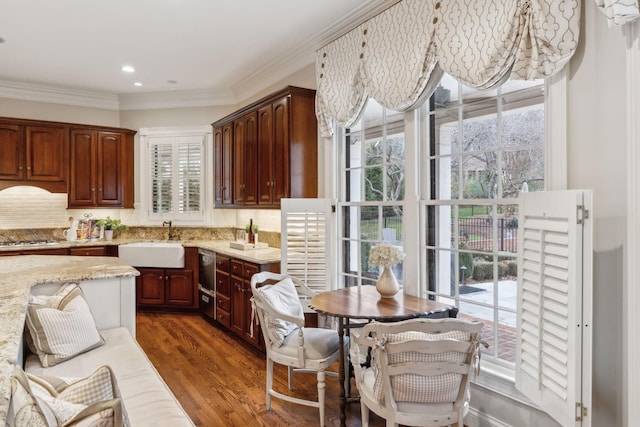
x: 306, y: 241
x: 175, y: 184
x: 554, y: 345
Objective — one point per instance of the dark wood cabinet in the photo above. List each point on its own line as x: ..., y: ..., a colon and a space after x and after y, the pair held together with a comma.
x: 169, y: 288
x: 245, y: 131
x: 223, y: 152
x: 223, y: 290
x: 233, y: 296
x: 101, y: 168
x: 33, y: 154
x: 283, y: 161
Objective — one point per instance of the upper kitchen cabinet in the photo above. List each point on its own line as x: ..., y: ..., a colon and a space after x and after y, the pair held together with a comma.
x: 33, y: 153
x: 274, y: 151
x: 101, y: 168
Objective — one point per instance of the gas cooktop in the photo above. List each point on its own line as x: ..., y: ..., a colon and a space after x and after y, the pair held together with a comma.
x: 29, y: 243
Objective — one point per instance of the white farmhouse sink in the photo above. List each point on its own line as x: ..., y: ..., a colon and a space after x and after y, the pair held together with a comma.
x: 152, y: 254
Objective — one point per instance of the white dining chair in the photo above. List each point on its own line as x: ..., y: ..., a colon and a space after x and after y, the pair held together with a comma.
x: 419, y: 370
x: 287, y: 341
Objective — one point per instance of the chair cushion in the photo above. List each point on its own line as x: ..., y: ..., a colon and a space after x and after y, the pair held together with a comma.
x: 282, y: 297
x: 61, y: 326
x: 319, y: 343
x: 417, y: 388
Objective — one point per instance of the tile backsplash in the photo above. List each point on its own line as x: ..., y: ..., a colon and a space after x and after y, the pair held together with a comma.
x: 32, y: 207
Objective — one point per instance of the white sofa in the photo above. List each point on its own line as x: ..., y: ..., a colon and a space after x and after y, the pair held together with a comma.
x: 147, y: 399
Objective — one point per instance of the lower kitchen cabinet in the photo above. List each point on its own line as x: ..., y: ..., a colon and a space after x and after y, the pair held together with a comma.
x: 233, y: 297
x: 169, y: 288
x: 165, y: 287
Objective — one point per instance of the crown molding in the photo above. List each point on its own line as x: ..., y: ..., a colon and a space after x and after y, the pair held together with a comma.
x: 176, y: 99
x: 57, y: 95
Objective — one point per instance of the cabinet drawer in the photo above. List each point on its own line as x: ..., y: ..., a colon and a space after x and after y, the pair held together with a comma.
x: 248, y: 270
x: 236, y: 267
x: 222, y: 283
x: 223, y: 303
x: 222, y: 263
x: 95, y: 251
x: 224, y: 318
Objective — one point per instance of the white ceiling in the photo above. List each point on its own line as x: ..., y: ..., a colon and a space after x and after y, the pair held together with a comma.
x: 217, y: 51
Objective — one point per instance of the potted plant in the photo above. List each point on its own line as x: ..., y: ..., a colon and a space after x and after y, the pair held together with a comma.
x: 110, y: 225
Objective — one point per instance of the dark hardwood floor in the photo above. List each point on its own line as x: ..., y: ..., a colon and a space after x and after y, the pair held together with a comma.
x: 221, y: 382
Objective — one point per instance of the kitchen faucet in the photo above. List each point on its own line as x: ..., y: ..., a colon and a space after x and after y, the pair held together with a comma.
x: 170, y: 229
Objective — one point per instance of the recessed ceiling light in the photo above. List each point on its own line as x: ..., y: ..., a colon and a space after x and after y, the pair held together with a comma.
x: 137, y: 84
x: 128, y: 69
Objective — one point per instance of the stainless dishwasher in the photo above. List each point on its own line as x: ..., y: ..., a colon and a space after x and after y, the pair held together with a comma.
x: 207, y: 285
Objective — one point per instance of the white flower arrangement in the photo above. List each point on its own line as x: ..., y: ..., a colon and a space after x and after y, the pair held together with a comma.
x: 386, y: 255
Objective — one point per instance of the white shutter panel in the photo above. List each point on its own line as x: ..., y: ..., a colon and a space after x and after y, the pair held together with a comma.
x: 553, y: 348
x: 189, y: 155
x: 306, y: 241
x: 161, y: 168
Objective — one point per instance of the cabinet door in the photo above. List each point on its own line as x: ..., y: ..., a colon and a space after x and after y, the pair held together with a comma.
x: 237, y: 306
x: 239, y: 165
x: 46, y: 153
x: 82, y: 171
x: 245, y: 134
x: 280, y: 178
x: 109, y: 169
x: 179, y: 287
x: 11, y: 153
x: 227, y: 164
x: 150, y: 286
x: 218, y: 182
x: 265, y: 154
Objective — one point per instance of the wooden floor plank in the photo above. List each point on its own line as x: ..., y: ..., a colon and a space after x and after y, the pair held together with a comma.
x: 220, y: 381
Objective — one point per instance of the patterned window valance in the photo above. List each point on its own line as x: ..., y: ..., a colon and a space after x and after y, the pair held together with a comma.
x: 399, y: 56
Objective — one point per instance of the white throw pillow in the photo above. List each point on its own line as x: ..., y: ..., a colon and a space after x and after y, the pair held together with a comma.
x: 61, y: 326
x: 282, y: 297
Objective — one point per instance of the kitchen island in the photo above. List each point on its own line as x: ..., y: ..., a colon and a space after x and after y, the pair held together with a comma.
x: 18, y: 274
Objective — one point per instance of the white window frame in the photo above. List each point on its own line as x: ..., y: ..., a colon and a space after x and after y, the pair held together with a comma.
x: 493, y: 377
x: 205, y: 215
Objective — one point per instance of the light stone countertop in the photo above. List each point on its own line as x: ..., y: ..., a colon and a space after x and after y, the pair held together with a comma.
x: 17, y: 275
x: 257, y: 256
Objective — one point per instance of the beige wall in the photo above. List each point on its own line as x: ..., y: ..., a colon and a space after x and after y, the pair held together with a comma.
x: 58, y: 113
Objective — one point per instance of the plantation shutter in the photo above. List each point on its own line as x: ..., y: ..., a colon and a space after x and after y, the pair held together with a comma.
x: 176, y: 167
x: 553, y: 348
x: 161, y: 176
x: 189, y: 154
x: 306, y: 241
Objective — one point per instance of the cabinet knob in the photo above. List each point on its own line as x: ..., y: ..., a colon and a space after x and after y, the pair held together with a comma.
x: 100, y: 190
x: 20, y: 168
x: 28, y: 168
x: 93, y: 190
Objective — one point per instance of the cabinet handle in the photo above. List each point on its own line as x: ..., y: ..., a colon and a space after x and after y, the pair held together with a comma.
x: 93, y: 190
x: 20, y: 168
x: 28, y: 168
x: 166, y: 277
x: 100, y: 190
